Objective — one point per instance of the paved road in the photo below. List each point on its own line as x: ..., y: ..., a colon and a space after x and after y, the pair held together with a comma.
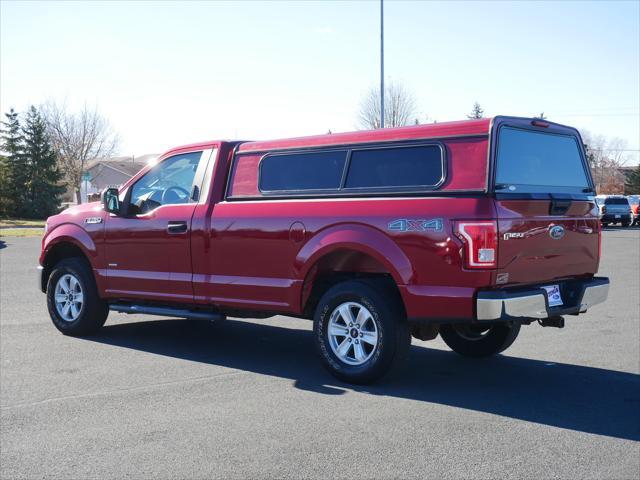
x: 157, y: 398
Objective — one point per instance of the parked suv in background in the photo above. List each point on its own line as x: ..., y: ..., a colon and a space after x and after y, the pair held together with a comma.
x: 467, y: 230
x: 616, y: 209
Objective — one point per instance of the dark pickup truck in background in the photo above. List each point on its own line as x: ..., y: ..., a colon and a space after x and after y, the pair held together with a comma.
x: 465, y: 229
x: 616, y: 209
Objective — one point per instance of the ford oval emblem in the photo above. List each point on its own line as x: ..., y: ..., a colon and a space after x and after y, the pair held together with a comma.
x: 556, y: 232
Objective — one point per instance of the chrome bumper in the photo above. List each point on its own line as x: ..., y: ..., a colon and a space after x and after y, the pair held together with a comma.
x: 594, y: 295
x: 533, y: 303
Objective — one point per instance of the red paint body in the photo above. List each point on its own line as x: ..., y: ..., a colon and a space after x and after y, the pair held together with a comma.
x: 246, y: 252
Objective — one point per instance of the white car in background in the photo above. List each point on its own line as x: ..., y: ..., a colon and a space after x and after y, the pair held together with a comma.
x: 634, y: 202
x: 600, y: 202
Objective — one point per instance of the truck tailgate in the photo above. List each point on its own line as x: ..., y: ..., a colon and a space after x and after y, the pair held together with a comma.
x: 536, y: 246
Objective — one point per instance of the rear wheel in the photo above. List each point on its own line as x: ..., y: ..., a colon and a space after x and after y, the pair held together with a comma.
x: 72, y: 299
x: 360, y: 331
x: 472, y: 340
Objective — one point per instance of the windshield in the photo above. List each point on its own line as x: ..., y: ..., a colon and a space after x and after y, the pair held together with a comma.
x: 536, y: 162
x: 616, y: 201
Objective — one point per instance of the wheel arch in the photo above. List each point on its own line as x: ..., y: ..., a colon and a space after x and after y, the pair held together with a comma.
x: 346, y: 253
x: 70, y: 241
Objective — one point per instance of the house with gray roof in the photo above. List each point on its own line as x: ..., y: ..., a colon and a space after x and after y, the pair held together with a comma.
x: 112, y: 172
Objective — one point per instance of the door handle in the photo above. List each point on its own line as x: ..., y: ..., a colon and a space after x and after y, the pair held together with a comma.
x: 177, y: 227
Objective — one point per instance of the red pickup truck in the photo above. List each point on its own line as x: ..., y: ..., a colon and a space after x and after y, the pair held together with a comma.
x: 465, y: 229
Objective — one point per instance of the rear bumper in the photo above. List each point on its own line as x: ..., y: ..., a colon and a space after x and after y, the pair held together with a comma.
x: 611, y: 217
x: 533, y: 304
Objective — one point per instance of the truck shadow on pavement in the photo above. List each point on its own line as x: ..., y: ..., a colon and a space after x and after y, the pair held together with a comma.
x: 586, y: 399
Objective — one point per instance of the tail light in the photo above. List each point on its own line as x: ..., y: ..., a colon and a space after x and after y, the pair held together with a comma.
x: 481, y: 243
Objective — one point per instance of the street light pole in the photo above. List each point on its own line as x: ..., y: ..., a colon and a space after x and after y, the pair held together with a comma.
x: 381, y: 64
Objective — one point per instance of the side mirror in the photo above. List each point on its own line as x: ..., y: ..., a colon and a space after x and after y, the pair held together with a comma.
x: 111, y: 201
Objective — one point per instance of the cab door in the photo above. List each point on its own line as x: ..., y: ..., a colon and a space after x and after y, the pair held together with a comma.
x: 147, y: 248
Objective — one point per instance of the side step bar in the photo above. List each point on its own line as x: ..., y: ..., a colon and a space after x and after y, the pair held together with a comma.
x: 166, y: 312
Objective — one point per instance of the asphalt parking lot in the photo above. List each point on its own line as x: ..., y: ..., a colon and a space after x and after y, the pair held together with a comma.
x: 158, y: 398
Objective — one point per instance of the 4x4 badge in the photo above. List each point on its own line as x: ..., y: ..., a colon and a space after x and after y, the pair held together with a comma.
x: 415, y: 225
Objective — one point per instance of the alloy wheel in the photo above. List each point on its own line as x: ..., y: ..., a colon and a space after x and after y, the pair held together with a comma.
x: 68, y: 297
x: 353, y: 333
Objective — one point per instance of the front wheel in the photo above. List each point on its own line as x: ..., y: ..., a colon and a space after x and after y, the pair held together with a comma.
x: 361, y: 331
x: 472, y: 340
x: 72, y: 299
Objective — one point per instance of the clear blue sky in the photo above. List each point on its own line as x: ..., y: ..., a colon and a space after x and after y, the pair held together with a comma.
x: 171, y: 73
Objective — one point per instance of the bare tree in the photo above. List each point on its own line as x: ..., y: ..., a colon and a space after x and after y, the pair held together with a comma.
x: 605, y: 157
x: 476, y: 112
x: 399, y: 107
x: 78, y: 138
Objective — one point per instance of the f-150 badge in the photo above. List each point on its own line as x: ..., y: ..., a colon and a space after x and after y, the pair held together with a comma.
x: 509, y: 235
x: 415, y: 225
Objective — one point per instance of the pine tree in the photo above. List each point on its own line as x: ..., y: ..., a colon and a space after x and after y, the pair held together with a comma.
x: 6, y: 203
x: 632, y: 184
x: 43, y: 187
x: 13, y: 171
x: 476, y: 112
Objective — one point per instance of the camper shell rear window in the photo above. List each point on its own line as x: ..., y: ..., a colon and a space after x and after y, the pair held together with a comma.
x: 531, y: 161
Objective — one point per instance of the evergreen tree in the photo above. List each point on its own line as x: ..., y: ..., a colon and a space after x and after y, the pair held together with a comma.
x: 13, y: 171
x: 476, y: 112
x: 43, y: 187
x: 632, y: 184
x: 6, y: 203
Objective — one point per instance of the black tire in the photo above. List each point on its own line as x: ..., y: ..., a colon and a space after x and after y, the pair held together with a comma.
x: 93, y: 310
x: 477, y: 340
x: 386, y: 310
x: 625, y: 224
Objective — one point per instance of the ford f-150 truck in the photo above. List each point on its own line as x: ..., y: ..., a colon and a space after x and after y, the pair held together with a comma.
x: 465, y: 229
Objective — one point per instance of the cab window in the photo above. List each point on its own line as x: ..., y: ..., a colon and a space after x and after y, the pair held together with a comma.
x: 168, y: 183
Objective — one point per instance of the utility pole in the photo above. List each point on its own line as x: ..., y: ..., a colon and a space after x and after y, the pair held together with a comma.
x: 381, y: 64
